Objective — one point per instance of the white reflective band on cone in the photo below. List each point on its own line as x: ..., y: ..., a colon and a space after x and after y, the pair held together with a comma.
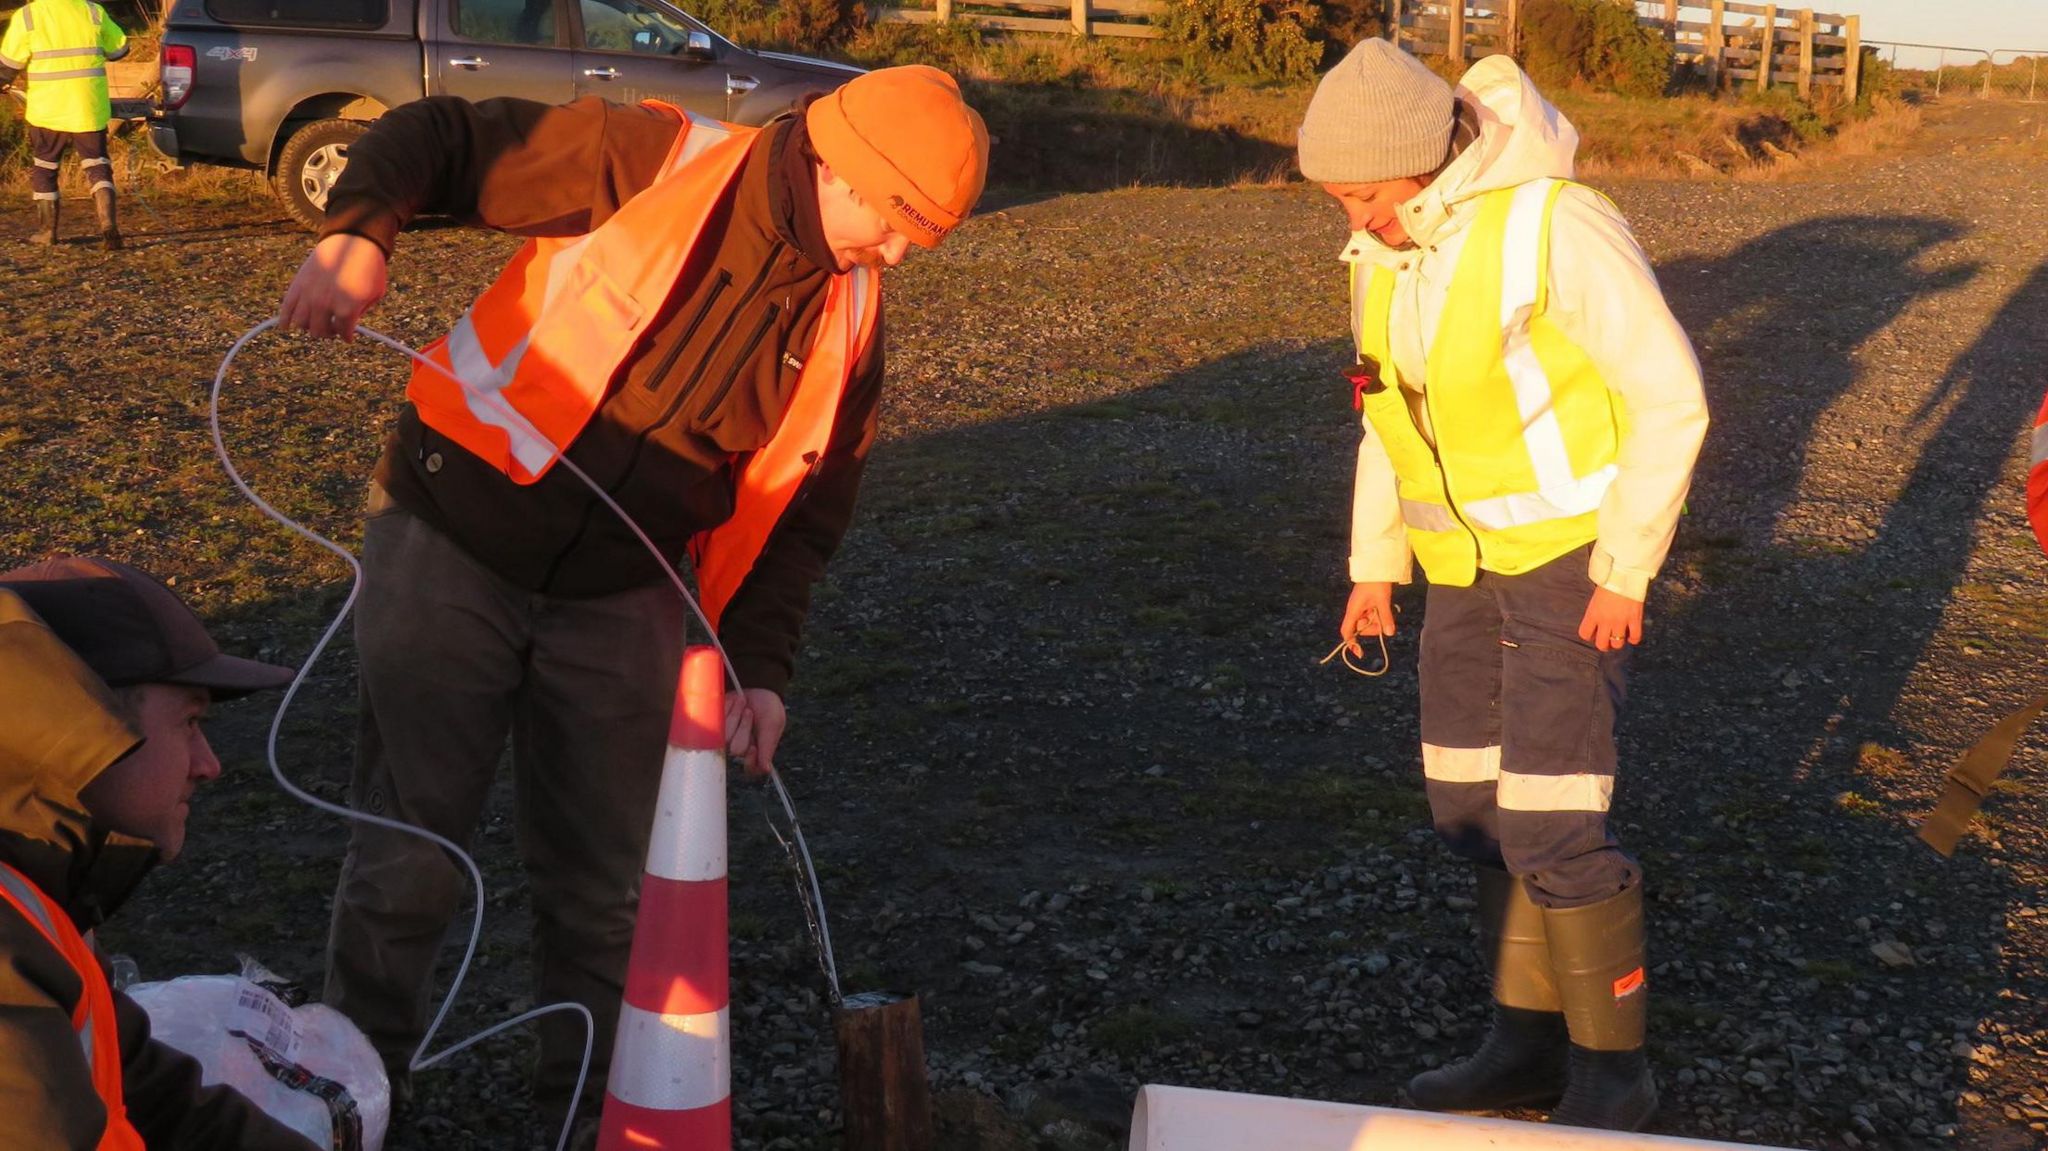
x: 1188, y: 1119
x: 689, y: 819
x: 1461, y: 764
x: 681, y: 1062
x: 1583, y: 791
x: 2040, y: 454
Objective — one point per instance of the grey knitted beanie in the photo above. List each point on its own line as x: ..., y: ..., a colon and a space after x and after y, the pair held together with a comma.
x: 1378, y: 115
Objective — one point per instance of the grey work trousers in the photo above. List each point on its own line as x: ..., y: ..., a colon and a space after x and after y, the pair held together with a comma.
x: 454, y: 660
x: 1518, y: 717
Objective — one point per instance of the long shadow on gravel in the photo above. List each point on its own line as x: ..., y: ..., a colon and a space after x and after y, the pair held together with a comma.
x: 1819, y: 967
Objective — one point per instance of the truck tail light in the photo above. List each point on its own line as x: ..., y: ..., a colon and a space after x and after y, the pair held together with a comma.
x: 180, y: 65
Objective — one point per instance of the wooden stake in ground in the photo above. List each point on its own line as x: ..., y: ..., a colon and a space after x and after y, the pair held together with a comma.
x: 883, y: 1091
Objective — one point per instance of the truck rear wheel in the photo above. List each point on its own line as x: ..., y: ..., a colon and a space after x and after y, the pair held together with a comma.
x: 311, y: 161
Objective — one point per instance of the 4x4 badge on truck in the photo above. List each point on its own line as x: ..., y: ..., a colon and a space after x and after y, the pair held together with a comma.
x: 226, y: 53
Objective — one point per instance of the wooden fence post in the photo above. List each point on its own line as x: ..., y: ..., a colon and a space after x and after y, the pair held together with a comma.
x: 1716, y: 43
x: 1852, y: 64
x: 1511, y: 33
x: 1393, y: 11
x: 1456, y: 48
x: 1080, y: 17
x: 1671, y: 20
x: 945, y: 11
x: 1766, y: 48
x: 1805, y: 53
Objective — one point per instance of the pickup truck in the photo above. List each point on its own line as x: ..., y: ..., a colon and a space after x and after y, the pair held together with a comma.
x: 287, y: 85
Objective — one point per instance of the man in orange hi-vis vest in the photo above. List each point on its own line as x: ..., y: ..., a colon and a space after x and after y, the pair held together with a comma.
x: 105, y: 674
x: 696, y: 323
x: 2037, y: 477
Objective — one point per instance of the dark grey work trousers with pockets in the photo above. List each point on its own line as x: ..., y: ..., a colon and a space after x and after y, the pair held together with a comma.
x: 454, y: 661
x: 1518, y: 718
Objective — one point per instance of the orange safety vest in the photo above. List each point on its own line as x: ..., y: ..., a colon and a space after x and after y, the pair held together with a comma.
x: 93, y: 1018
x: 537, y: 350
x: 2037, y: 477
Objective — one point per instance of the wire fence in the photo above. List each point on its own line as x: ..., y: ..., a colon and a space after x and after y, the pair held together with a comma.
x: 1950, y: 70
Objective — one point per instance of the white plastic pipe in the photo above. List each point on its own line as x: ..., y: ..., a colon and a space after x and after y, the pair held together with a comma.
x: 1190, y: 1119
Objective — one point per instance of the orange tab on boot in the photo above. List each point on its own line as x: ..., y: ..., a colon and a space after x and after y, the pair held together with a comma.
x: 1629, y: 984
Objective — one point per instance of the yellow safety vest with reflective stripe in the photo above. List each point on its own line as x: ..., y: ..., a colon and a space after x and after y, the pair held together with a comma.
x: 61, y: 47
x: 1525, y: 429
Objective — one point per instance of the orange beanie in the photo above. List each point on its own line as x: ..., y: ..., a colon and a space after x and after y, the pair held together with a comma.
x: 906, y: 141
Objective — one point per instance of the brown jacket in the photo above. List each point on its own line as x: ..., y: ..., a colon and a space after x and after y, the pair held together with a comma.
x: 58, y: 733
x: 708, y: 384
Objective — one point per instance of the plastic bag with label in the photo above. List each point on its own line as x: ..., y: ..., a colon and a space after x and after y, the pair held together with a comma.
x: 307, y: 1067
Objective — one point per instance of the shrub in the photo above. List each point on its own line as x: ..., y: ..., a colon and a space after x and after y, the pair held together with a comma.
x: 1595, y: 42
x: 1346, y: 22
x: 816, y: 25
x: 1260, y: 38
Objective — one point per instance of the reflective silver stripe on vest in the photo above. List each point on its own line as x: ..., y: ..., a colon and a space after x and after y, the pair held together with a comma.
x: 2040, y: 455
x: 1559, y: 494
x: 705, y: 134
x: 31, y: 900
x: 1425, y: 517
x: 74, y: 74
x: 11, y: 62
x: 482, y: 380
x: 120, y: 53
x: 861, y: 272
x: 28, y: 18
x: 25, y: 893
x: 56, y: 53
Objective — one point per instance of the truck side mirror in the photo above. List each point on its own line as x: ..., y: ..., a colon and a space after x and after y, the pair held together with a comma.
x: 697, y: 46
x: 644, y: 41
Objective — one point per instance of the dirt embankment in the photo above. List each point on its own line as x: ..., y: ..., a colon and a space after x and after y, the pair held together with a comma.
x: 1059, y: 738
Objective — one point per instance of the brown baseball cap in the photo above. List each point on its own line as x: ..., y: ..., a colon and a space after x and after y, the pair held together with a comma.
x: 131, y: 629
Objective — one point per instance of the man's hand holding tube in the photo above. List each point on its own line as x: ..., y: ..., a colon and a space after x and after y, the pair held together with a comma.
x: 342, y: 279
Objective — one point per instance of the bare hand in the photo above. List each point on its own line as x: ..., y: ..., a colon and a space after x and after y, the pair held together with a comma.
x: 340, y: 281
x: 1612, y: 619
x: 754, y: 721
x: 1369, y: 611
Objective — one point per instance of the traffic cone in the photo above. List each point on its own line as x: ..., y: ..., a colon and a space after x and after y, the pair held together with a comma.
x: 671, y: 1076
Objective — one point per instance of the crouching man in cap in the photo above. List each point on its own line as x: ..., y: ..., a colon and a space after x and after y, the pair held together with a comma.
x: 105, y: 675
x: 1531, y: 414
x: 696, y: 323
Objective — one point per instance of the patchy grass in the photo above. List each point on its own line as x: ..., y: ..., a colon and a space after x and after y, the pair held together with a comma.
x: 1138, y: 1030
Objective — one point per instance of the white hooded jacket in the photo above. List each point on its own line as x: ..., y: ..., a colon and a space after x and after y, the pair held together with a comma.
x: 1603, y: 295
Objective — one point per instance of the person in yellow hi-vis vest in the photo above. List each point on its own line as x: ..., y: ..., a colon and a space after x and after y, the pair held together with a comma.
x: 61, y: 49
x: 1531, y: 415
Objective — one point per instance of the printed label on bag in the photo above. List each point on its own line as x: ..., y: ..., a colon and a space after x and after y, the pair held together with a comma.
x: 264, y: 1018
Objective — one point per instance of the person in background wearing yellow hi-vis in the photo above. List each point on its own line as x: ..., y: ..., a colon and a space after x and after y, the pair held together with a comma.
x: 61, y: 49
x: 1532, y: 412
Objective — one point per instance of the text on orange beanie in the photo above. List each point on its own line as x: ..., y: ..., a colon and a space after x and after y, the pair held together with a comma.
x: 908, y: 143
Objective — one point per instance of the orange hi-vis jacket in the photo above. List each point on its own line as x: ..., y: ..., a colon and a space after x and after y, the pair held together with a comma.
x: 537, y: 351
x: 93, y: 1019
x: 2037, y: 477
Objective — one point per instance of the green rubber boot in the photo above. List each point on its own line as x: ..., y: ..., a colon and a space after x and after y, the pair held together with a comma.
x: 1597, y: 952
x: 1522, y: 1061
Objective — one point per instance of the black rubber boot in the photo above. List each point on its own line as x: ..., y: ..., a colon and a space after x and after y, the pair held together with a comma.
x: 1597, y: 952
x: 1522, y: 1061
x: 46, y: 223
x: 110, y: 224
